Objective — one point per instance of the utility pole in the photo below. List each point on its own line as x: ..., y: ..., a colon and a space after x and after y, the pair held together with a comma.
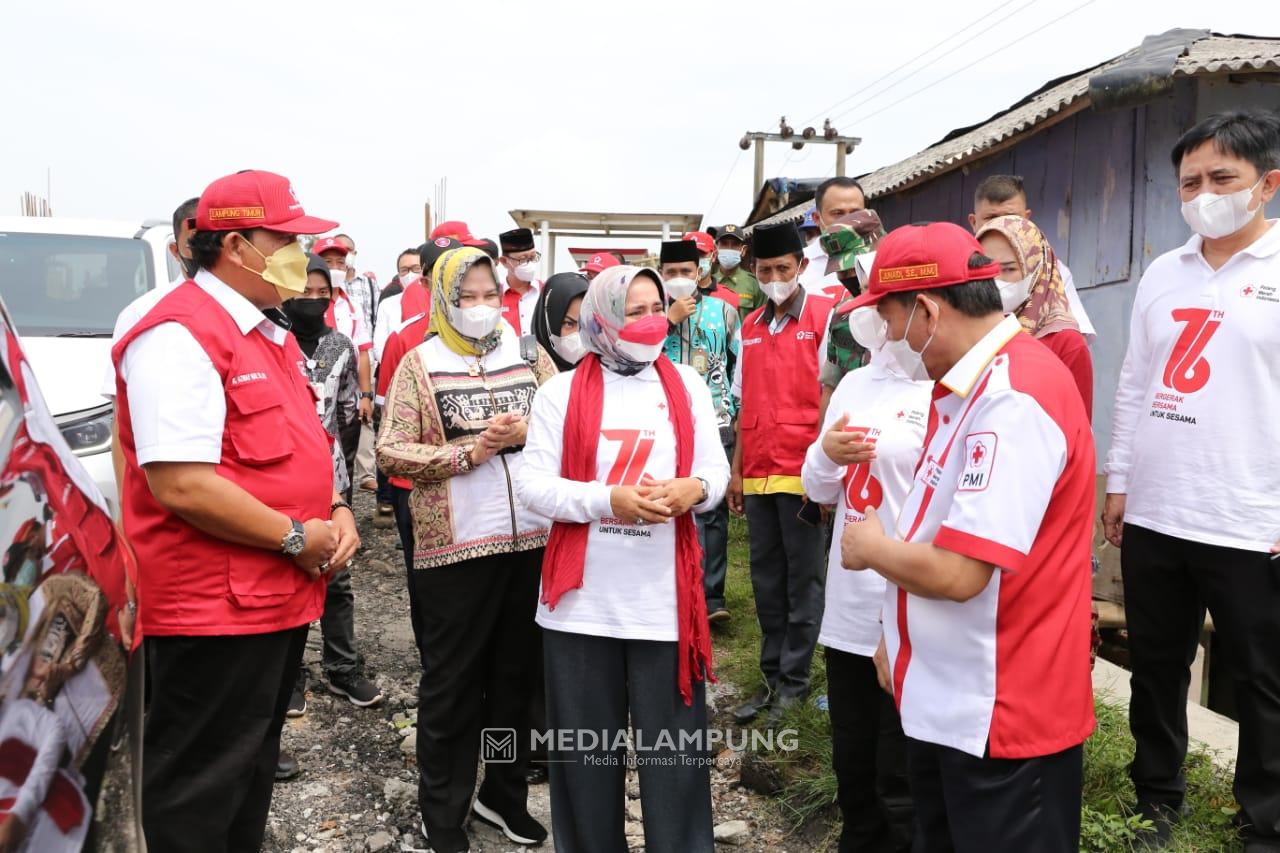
x: 829, y: 136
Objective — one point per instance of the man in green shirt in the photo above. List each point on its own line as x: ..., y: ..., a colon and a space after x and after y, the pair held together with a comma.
x: 732, y: 274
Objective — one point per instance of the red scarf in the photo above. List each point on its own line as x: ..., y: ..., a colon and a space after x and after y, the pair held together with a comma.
x: 567, y: 548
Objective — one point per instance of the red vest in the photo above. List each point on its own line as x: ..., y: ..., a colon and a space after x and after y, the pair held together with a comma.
x: 414, y: 300
x: 273, y: 447
x: 780, y: 397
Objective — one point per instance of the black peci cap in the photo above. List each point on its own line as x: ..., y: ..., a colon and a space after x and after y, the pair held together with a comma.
x: 777, y: 241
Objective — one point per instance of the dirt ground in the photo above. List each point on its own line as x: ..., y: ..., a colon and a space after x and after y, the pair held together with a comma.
x: 358, y: 786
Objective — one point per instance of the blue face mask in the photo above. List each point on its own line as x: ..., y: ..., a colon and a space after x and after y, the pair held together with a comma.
x: 729, y: 258
x: 704, y: 267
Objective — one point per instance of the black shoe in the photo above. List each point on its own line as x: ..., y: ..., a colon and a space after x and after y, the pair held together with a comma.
x: 717, y: 616
x: 446, y: 840
x: 287, y: 767
x: 384, y: 518
x: 519, y: 827
x: 747, y: 711
x: 536, y: 774
x: 298, y: 701
x: 356, y: 688
x: 1164, y: 819
x: 780, y: 707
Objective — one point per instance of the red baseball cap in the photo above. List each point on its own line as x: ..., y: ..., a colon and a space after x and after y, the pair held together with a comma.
x: 923, y: 257
x: 255, y: 199
x: 329, y: 244
x: 600, y: 261
x: 458, y: 230
x: 706, y: 243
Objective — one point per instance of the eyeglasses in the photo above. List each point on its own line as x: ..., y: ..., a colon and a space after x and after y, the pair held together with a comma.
x: 406, y: 270
x: 533, y: 257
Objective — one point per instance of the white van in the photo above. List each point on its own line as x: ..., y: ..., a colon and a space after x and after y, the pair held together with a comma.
x: 64, y: 282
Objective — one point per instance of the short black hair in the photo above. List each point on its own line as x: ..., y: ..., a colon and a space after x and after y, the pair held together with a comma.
x: 830, y: 183
x: 183, y: 212
x: 971, y: 298
x: 998, y: 189
x: 410, y: 251
x: 1252, y: 135
x: 206, y: 246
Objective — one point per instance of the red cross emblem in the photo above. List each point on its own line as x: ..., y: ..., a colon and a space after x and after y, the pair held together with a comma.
x: 901, y: 415
x: 979, y: 453
x: 1247, y: 290
x: 662, y: 407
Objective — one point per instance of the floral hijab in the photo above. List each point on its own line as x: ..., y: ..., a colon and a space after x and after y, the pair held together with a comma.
x: 1046, y: 310
x: 604, y: 313
x: 446, y: 292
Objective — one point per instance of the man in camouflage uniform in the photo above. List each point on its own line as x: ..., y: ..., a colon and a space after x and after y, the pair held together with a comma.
x: 733, y: 273
x: 844, y: 241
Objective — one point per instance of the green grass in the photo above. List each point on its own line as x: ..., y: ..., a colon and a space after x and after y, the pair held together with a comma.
x: 1107, y: 826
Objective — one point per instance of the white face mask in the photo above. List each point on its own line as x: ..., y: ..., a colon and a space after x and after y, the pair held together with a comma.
x: 1013, y: 294
x: 475, y: 322
x: 1214, y: 216
x: 569, y: 347
x: 641, y: 353
x: 911, y: 362
x: 680, y: 288
x: 780, y: 291
x: 338, y: 278
x: 409, y: 278
x: 527, y: 271
x: 868, y: 328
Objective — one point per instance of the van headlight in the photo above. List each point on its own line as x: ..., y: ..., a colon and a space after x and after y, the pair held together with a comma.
x: 89, y: 433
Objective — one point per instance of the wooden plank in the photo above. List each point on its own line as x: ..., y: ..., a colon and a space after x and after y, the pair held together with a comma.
x: 1102, y: 198
x: 978, y: 171
x: 1051, y: 209
x: 1167, y: 119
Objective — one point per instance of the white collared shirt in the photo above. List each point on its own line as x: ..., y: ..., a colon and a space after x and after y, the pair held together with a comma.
x: 177, y: 402
x: 1193, y: 431
x: 126, y: 320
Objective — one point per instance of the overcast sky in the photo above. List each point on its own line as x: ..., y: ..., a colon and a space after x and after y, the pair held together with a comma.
x: 613, y: 106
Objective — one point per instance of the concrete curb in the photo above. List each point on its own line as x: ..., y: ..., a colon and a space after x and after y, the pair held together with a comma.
x: 1219, y: 735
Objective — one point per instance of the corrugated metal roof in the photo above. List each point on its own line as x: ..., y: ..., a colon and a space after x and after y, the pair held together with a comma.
x: 1214, y: 54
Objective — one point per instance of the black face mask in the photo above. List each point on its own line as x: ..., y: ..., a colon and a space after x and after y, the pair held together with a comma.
x: 189, y: 267
x: 306, y: 316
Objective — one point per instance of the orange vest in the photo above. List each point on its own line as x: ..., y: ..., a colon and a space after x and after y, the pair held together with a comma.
x: 780, y: 397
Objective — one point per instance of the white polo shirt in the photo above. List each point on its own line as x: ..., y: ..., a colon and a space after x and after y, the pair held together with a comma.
x: 1077, y: 306
x: 126, y: 320
x: 523, y: 304
x: 389, y: 317
x: 893, y: 411
x: 1193, y: 438
x: 348, y: 321
x: 628, y: 581
x: 1007, y: 478
x: 177, y: 402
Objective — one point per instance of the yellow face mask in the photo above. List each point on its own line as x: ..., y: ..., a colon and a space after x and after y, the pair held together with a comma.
x: 286, y: 269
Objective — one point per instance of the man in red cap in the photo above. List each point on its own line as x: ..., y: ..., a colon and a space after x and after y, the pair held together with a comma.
x: 229, y: 503
x: 986, y: 614
x: 598, y: 263
x: 456, y: 229
x: 706, y: 266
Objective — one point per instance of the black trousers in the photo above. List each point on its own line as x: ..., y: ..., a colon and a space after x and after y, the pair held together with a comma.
x: 595, y: 684
x: 995, y: 805
x: 479, y: 642
x: 404, y: 526
x: 787, y: 578
x: 713, y: 535
x: 338, y: 628
x: 1168, y: 582
x: 869, y: 756
x: 213, y: 736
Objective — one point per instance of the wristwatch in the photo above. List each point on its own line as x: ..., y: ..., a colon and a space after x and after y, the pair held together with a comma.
x: 294, y: 541
x: 706, y: 489
x: 366, y: 395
